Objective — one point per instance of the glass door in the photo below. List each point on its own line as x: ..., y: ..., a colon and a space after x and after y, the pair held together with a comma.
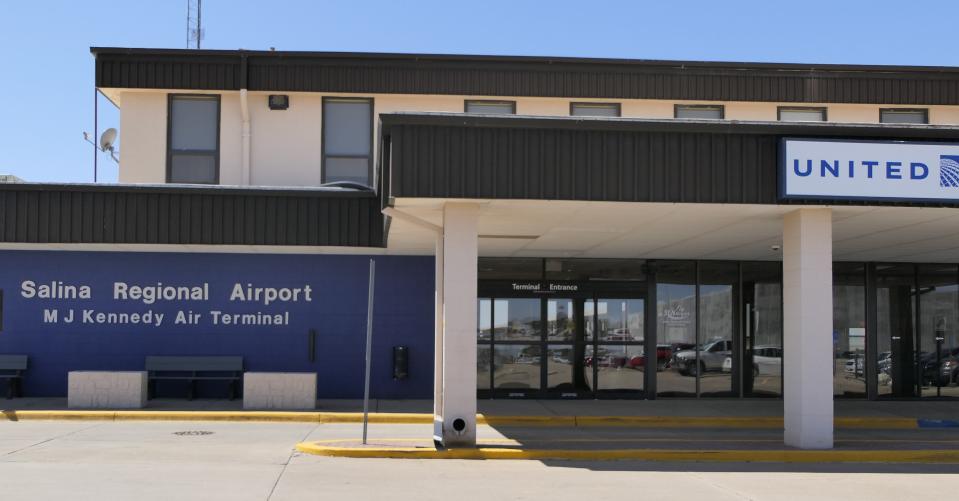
x: 565, y: 349
x: 517, y: 346
x: 619, y: 359
x: 896, y: 330
x: 938, y: 345
x: 762, y: 345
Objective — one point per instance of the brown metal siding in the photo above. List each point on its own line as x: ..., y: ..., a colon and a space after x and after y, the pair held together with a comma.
x: 548, y: 164
x: 526, y: 158
x: 127, y: 215
x: 413, y: 74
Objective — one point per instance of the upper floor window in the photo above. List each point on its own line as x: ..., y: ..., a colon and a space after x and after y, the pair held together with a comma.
x: 348, y: 140
x: 903, y: 116
x: 702, y: 111
x: 594, y: 109
x: 801, y: 114
x: 491, y: 107
x: 193, y: 139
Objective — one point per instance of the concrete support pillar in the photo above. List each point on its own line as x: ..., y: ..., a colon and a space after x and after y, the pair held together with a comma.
x: 438, y: 344
x: 460, y: 250
x: 807, y: 336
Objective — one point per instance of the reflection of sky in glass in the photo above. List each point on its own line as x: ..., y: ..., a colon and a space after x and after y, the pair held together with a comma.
x: 485, y: 314
x: 559, y: 316
x: 620, y: 317
x: 514, y: 311
x: 564, y: 307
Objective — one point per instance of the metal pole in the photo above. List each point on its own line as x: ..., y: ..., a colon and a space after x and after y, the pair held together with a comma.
x: 369, y: 345
x: 199, y: 24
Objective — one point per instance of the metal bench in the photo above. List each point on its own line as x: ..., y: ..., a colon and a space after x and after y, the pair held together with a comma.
x: 193, y: 369
x: 11, y: 369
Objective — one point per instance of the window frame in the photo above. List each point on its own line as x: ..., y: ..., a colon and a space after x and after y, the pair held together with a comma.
x: 574, y: 104
x: 466, y: 104
x: 323, y: 154
x: 721, y: 107
x: 924, y: 111
x: 169, y: 136
x: 823, y: 109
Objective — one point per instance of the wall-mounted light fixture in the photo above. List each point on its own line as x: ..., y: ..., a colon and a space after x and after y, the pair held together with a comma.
x: 279, y: 101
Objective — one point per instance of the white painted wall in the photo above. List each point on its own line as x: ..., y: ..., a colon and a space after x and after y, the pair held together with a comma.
x: 143, y: 133
x: 286, y: 149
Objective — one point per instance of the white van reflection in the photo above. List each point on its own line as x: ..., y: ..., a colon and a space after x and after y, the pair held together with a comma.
x: 767, y: 361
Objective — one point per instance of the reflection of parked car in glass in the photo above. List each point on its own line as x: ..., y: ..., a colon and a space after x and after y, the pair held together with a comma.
x: 664, y: 354
x: 949, y: 372
x: 854, y: 365
x: 767, y: 361
x: 613, y: 361
x: 621, y: 334
x: 711, y: 357
x: 941, y: 370
x: 885, y: 361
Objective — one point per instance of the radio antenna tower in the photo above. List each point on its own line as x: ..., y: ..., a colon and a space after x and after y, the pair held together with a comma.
x: 194, y: 28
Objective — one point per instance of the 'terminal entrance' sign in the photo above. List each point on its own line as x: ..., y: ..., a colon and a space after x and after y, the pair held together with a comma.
x: 868, y: 170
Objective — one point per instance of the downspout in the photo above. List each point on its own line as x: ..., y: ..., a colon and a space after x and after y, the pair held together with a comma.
x: 245, y: 154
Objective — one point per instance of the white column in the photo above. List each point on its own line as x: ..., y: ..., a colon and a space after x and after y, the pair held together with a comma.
x: 438, y: 344
x: 460, y: 249
x: 807, y: 336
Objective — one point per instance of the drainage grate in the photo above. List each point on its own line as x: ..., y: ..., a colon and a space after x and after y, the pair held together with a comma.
x: 192, y: 433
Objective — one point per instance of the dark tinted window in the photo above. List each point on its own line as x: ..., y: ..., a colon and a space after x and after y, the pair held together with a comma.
x: 193, y: 153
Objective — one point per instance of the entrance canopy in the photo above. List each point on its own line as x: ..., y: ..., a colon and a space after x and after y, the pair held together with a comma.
x: 628, y: 188
x: 532, y: 228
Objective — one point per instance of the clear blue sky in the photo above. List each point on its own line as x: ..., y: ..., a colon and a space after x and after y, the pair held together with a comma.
x: 47, y: 75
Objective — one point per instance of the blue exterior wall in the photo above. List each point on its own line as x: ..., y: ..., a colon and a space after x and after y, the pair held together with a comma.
x: 403, y: 315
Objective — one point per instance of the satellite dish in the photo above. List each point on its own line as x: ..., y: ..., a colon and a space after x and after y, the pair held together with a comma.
x: 107, y: 139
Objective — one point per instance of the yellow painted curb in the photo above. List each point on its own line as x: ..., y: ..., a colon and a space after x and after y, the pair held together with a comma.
x: 376, y: 417
x: 420, y: 418
x: 526, y: 420
x: 737, y: 456
x: 875, y: 423
x: 680, y: 422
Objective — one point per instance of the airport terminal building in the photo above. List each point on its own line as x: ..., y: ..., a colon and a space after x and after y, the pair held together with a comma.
x: 542, y: 228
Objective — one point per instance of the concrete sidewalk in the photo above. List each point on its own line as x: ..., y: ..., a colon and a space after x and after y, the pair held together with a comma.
x: 720, y: 408
x: 185, y: 461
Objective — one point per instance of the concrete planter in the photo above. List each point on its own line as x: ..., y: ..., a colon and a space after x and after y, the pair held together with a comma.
x: 279, y: 390
x: 106, y: 390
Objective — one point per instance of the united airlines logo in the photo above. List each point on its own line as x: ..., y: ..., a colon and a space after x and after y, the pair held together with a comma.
x: 949, y: 171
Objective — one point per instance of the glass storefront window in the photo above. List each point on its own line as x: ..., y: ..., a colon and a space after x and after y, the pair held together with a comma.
x: 516, y: 319
x: 620, y: 320
x: 483, y: 354
x: 895, y: 326
x: 849, y: 329
x: 938, y: 344
x: 563, y: 373
x: 619, y: 357
x: 560, y: 320
x: 484, y: 330
x: 619, y: 367
x: 516, y: 366
x: 718, y: 326
x: 717, y: 292
x: 484, y: 336
x: 676, y: 330
x: 762, y: 329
